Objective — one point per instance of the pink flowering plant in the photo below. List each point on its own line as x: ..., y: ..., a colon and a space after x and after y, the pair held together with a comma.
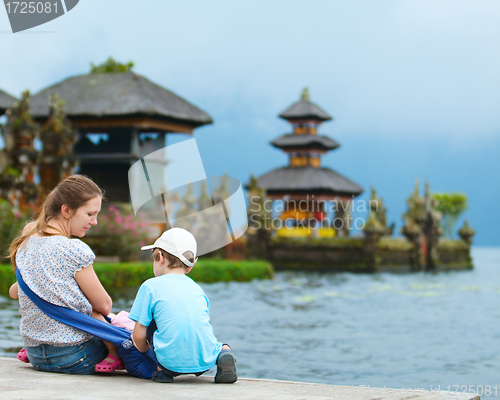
x: 118, y: 233
x: 11, y: 224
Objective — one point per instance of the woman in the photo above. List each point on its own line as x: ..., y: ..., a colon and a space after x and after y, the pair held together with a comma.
x: 59, y: 270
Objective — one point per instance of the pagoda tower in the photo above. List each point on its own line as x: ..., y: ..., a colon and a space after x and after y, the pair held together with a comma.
x: 304, y: 185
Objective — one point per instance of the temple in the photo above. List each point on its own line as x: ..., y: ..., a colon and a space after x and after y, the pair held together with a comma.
x: 119, y: 117
x: 305, y: 187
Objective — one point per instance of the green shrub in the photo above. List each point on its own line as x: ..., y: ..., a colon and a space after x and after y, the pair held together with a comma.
x: 7, y: 278
x: 392, y: 243
x: 450, y: 244
x: 120, y: 275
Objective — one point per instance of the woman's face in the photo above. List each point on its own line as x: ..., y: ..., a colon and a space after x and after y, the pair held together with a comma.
x: 84, y: 217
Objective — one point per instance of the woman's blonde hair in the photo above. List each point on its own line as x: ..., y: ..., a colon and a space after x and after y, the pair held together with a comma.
x: 74, y: 191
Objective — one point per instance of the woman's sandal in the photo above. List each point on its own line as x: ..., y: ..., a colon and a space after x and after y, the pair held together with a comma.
x: 107, y: 366
x: 23, y: 356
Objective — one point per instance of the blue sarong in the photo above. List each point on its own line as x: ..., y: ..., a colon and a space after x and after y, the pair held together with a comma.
x: 142, y: 365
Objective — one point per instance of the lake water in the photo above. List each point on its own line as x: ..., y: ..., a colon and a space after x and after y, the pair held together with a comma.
x: 396, y: 330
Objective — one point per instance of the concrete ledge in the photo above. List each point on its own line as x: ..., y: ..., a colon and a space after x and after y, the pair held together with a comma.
x: 21, y: 381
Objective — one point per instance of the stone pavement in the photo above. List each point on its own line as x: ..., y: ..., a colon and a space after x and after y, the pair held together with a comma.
x: 21, y: 381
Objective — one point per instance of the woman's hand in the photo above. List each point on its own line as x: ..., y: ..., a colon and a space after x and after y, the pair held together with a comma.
x: 93, y: 290
x: 14, y: 291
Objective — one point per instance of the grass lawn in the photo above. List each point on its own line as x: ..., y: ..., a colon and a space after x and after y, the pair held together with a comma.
x: 119, y: 275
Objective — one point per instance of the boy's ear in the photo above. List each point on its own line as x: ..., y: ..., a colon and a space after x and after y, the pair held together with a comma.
x: 189, y: 269
x: 164, y: 260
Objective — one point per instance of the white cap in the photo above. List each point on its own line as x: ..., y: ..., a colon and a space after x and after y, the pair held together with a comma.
x: 176, y: 241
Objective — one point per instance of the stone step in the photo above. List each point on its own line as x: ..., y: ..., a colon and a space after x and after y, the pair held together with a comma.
x: 21, y: 381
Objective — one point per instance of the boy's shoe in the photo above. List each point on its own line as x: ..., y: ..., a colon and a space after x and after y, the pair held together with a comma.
x: 226, y: 368
x: 162, y: 377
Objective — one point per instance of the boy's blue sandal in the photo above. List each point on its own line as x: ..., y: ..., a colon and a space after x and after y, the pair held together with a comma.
x: 162, y: 377
x: 226, y: 368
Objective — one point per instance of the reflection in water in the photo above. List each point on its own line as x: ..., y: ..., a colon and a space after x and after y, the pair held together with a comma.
x: 404, y: 331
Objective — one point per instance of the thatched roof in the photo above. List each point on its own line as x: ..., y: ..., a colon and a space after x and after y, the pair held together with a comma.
x: 304, y: 109
x: 304, y: 180
x: 6, y: 101
x: 305, y: 141
x: 122, y: 94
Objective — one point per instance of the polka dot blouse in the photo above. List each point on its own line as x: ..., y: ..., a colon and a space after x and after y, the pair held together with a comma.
x: 48, y: 265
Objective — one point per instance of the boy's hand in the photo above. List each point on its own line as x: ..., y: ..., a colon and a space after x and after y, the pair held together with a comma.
x: 139, y: 338
x: 133, y: 341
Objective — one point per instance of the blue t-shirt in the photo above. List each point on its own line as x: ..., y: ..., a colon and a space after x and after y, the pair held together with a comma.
x: 184, y: 341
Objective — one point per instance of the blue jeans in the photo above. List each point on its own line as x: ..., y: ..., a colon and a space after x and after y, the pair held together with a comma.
x: 80, y: 359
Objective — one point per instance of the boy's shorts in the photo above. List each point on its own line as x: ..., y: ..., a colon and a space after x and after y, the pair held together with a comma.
x: 149, y: 334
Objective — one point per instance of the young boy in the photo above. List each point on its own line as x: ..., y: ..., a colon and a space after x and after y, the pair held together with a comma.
x: 171, y: 313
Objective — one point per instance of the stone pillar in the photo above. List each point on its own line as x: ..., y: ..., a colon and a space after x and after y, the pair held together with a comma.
x: 259, y: 219
x: 412, y: 231
x: 431, y: 230
x: 373, y: 231
x: 342, y: 219
x: 466, y: 233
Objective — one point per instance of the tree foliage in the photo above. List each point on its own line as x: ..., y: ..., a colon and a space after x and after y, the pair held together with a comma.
x: 451, y: 206
x: 110, y: 66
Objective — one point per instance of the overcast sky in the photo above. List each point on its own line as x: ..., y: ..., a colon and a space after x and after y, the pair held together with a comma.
x: 414, y: 86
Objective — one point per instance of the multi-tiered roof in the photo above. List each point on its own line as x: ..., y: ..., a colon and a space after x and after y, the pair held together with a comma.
x: 304, y: 174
